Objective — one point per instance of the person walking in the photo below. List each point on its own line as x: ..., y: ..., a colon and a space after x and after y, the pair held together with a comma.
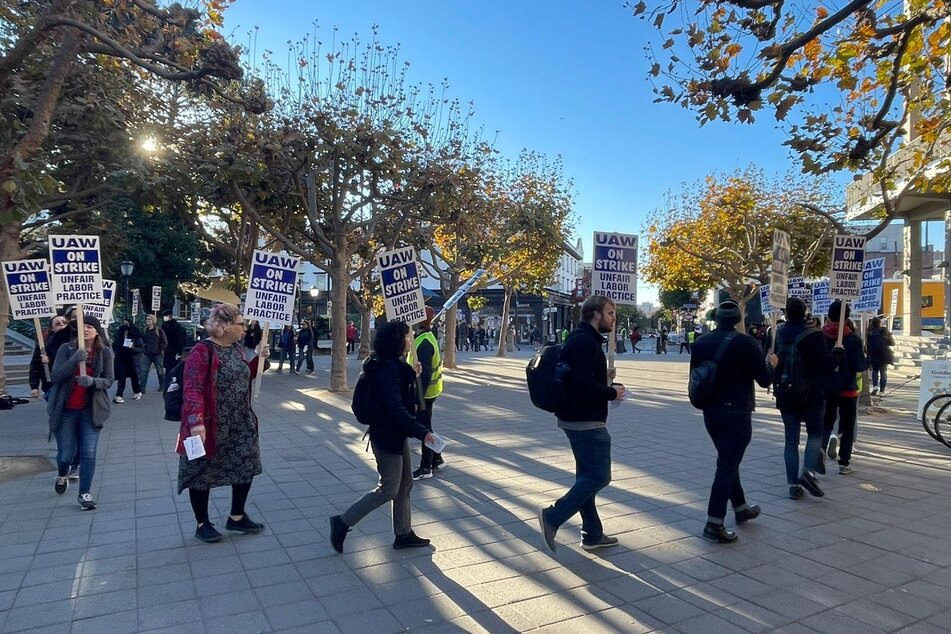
x: 39, y: 361
x: 174, y: 341
x: 798, y: 385
x: 842, y: 392
x: 880, y: 355
x: 288, y: 349
x: 128, y: 351
x: 79, y: 406
x: 728, y: 419
x: 583, y: 417
x: 305, y: 347
x: 394, y: 422
x: 252, y: 339
x: 351, y: 337
x: 216, y: 407
x: 635, y: 338
x: 154, y: 344
x: 430, y: 377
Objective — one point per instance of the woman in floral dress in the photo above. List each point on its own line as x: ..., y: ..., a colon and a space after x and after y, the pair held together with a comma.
x: 216, y: 406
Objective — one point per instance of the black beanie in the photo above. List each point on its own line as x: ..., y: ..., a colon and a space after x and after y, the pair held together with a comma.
x: 835, y: 309
x: 727, y: 314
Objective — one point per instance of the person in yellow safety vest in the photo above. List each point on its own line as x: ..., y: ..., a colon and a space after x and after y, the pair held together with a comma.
x: 427, y: 354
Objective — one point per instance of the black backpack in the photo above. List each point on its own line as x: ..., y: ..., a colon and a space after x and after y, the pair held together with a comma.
x: 172, y: 393
x: 546, y: 374
x: 701, y: 387
x: 364, y: 403
x: 789, y: 380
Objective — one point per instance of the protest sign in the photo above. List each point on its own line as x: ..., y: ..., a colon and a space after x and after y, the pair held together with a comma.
x: 614, y: 271
x: 103, y: 311
x: 76, y: 269
x: 135, y: 302
x: 156, y: 298
x: 798, y: 287
x: 935, y: 380
x: 779, y: 274
x: 820, y: 298
x: 402, y: 291
x: 873, y: 279
x: 893, y: 308
x: 848, y: 262
x: 764, y: 304
x: 28, y: 286
x: 272, y: 288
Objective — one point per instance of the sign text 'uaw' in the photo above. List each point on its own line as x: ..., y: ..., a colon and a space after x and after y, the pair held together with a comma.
x: 614, y: 270
x: 272, y: 288
x: 402, y: 290
x: 848, y: 262
x: 873, y: 280
x: 77, y: 269
x: 29, y: 288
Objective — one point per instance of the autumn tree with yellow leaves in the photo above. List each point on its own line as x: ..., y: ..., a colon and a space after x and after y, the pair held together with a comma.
x: 719, y: 232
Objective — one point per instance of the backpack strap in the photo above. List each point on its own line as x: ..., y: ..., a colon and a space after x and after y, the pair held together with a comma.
x: 723, y: 346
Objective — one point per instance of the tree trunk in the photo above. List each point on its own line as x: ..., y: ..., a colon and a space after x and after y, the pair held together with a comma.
x: 338, y: 317
x: 9, y: 250
x: 504, y: 334
x: 366, y: 315
x: 449, y: 354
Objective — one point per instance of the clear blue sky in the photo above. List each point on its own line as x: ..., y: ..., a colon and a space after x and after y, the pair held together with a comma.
x: 561, y: 77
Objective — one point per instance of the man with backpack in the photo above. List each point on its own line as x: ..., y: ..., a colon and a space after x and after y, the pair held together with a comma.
x: 842, y: 392
x: 798, y: 385
x: 728, y: 405
x: 583, y: 415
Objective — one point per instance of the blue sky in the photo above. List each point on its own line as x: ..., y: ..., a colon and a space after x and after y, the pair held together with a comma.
x: 558, y: 77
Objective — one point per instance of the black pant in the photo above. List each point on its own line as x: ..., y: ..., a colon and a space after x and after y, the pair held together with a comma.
x: 846, y: 409
x: 430, y: 458
x: 730, y: 430
x: 125, y: 368
x: 306, y: 354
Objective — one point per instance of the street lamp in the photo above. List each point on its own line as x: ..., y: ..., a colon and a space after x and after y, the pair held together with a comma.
x: 125, y: 268
x: 314, y: 294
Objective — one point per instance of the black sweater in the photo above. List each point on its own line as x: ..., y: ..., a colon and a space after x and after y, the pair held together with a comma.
x: 394, y: 385
x: 587, y: 389
x: 815, y: 360
x: 741, y: 364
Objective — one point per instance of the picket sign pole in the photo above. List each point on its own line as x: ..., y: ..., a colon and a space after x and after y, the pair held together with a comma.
x: 612, y: 348
x: 257, y: 379
x: 772, y: 331
x: 842, y: 320
x: 42, y: 345
x: 80, y: 336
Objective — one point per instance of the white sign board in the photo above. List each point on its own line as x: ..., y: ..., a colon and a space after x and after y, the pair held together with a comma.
x: 135, y: 302
x: 820, y: 298
x: 272, y: 288
x: 156, y: 298
x: 402, y: 291
x: 893, y: 307
x: 935, y: 380
x: 873, y: 280
x: 848, y: 262
x: 779, y: 275
x: 28, y: 286
x: 77, y: 269
x: 798, y: 287
x: 103, y: 311
x: 614, y: 274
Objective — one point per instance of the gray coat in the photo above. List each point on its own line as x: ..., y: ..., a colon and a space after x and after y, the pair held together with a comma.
x: 62, y: 379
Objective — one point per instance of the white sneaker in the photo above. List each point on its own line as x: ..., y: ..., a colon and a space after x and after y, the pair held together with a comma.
x: 137, y: 396
x: 118, y: 399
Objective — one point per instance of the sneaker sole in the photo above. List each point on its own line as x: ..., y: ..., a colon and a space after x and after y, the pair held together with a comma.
x: 208, y: 540
x: 585, y: 546
x: 238, y: 529
x: 425, y: 476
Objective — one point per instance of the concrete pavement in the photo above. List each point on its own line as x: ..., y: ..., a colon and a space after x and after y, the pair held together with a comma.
x: 872, y: 556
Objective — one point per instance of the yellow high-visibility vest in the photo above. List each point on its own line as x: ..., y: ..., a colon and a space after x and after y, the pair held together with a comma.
x: 435, y: 379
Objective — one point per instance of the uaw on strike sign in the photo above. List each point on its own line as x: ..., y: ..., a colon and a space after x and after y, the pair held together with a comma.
x: 848, y: 262
x: 614, y: 274
x: 272, y: 288
x: 77, y: 270
x: 402, y: 291
x: 28, y: 286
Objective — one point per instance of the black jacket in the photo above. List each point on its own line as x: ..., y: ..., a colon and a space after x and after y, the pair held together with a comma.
x: 853, y: 354
x: 424, y: 354
x: 587, y: 388
x: 122, y: 352
x: 741, y: 364
x: 37, y: 375
x: 880, y: 343
x: 174, y: 340
x: 815, y: 360
x: 394, y: 384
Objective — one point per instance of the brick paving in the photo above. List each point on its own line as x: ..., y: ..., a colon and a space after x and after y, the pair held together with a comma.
x: 872, y: 556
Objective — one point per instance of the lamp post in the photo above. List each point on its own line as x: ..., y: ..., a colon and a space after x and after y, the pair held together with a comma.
x: 314, y: 294
x: 125, y: 268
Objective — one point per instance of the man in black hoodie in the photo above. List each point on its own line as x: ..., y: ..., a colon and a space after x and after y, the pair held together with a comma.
x: 729, y: 417
x: 584, y: 418
x: 174, y: 342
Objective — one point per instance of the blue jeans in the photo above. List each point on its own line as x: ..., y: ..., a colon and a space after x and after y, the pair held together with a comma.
x: 77, y: 433
x: 147, y: 362
x: 880, y: 376
x: 792, y: 421
x: 592, y: 451
x: 287, y: 352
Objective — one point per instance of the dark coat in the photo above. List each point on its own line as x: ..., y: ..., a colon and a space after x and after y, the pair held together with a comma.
x: 587, y: 388
x: 741, y: 364
x: 880, y: 343
x: 63, y: 378
x: 394, y: 420
x: 814, y: 354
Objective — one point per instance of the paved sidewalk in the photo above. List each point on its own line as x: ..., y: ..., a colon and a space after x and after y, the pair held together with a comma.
x: 872, y: 556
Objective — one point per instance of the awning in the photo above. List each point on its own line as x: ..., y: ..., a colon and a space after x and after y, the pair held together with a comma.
x: 218, y: 292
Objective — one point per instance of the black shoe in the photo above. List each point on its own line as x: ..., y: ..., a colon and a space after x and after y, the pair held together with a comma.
x: 438, y: 462
x: 809, y: 483
x: 747, y: 514
x: 86, y: 502
x: 244, y: 525
x: 604, y: 542
x: 338, y: 533
x: 821, y: 463
x: 73, y: 473
x: 60, y: 484
x: 718, y: 534
x: 795, y: 492
x: 207, y: 533
x: 548, y: 531
x: 422, y: 474
x: 409, y: 540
